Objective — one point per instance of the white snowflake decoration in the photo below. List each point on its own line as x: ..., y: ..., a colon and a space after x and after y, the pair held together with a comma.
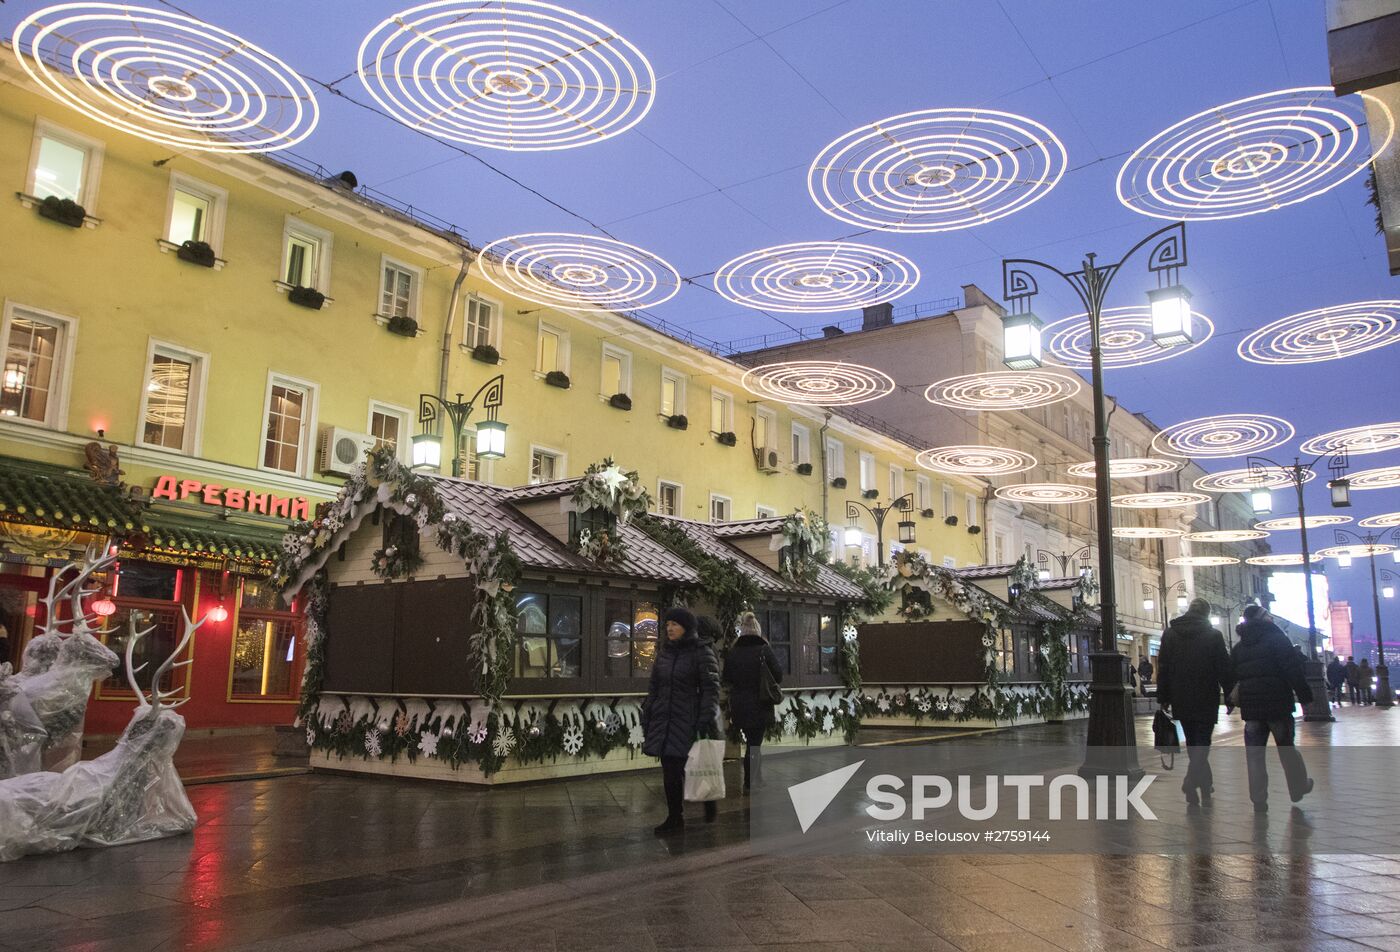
x: 924, y: 704
x: 477, y: 733
x: 883, y: 704
x: 613, y: 723
x: 310, y: 736
x: 828, y: 724
x: 573, y: 740
x: 635, y: 736
x: 504, y: 742
x: 427, y: 744
x: 372, y: 745
x: 790, y: 724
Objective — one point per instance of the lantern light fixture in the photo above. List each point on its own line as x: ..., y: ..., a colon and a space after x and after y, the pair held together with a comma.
x: 1148, y: 605
x: 1171, y: 315
x: 1020, y: 340
x: 1262, y: 500
x: 1341, y: 492
x: 1388, y: 591
x: 853, y: 534
x: 218, y: 614
x: 1182, y: 602
x: 1214, y: 621
x: 427, y: 451
x: 104, y: 607
x: 490, y: 440
x: 906, y: 531
x: 1344, y: 560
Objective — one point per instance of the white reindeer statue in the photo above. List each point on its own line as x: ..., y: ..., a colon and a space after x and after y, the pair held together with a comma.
x: 129, y: 794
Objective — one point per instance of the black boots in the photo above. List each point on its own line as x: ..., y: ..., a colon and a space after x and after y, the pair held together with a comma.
x: 711, y: 810
x: 672, y: 824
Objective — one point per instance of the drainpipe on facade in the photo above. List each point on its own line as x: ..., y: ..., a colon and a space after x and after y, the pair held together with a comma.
x: 450, y: 324
x: 826, y: 481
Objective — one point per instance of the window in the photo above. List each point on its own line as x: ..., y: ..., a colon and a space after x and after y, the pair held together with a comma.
x: 972, y: 510
x: 816, y: 634
x: 867, y: 472
x: 949, y: 562
x: 633, y: 627
x: 398, y: 290
x: 38, y: 355
x: 923, y: 493
x: 550, y: 629
x: 617, y: 371
x: 835, y: 459
x: 264, y: 660
x: 482, y: 323
x: 545, y: 465
x: 765, y: 512
x: 672, y: 393
x: 389, y: 427
x: 306, y: 256
x: 170, y: 400
x: 196, y: 212
x: 1001, y: 554
x: 766, y: 429
x: 552, y: 350
x: 778, y: 631
x: 471, y: 463
x: 801, y: 444
x: 720, y: 507
x: 721, y: 412
x: 65, y: 165
x: 290, y: 411
x: 948, y: 501
x: 151, y: 595
x: 896, y: 481
x: 668, y: 498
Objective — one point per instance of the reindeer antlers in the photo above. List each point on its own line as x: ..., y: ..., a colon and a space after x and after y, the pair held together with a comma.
x: 94, y: 561
x: 157, y: 695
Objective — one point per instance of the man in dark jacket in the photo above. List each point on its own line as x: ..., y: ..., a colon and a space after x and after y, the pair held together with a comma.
x: 1193, y: 669
x: 682, y: 704
x: 1336, y: 677
x: 1270, y: 675
x: 749, y: 668
x: 1364, y: 680
x: 1353, y: 681
x: 1145, y: 673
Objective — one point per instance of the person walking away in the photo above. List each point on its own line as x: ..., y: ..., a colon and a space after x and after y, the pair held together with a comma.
x: 1193, y: 670
x: 682, y: 704
x: 1353, y: 681
x: 1336, y: 677
x: 1145, y: 672
x: 1363, y: 678
x: 1270, y: 675
x: 749, y: 668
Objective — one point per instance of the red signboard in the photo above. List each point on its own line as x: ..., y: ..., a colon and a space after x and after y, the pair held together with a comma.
x: 244, y: 500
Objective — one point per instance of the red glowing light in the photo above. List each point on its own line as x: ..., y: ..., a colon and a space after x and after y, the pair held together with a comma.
x: 218, y: 614
x: 104, y: 606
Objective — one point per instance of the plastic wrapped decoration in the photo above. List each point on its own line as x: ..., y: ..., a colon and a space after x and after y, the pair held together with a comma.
x: 130, y: 794
x: 22, y: 733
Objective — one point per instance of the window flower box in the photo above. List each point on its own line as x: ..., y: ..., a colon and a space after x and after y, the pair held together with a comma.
x: 974, y: 530
x: 620, y: 401
x: 307, y: 297
x: 197, y: 252
x: 403, y: 326
x: 726, y: 439
x: 557, y: 378
x: 950, y: 521
x: 677, y: 421
x: 65, y: 211
x: 804, y: 469
x: 870, y: 494
x: 838, y: 483
x: 486, y: 354
x: 926, y: 513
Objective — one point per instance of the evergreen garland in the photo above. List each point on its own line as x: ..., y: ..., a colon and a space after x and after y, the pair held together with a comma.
x: 722, y: 583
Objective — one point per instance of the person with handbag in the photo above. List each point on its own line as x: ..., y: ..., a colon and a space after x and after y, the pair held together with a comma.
x: 1193, y: 670
x: 753, y: 675
x: 682, y: 705
x: 1270, y: 673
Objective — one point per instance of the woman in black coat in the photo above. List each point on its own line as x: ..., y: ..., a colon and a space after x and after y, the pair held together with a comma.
x: 749, y: 709
x: 682, y: 704
x: 1193, y: 669
x: 1270, y: 675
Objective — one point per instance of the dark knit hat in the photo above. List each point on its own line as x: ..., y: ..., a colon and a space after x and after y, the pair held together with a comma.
x: 1252, y: 612
x: 683, y: 617
x: 707, y: 628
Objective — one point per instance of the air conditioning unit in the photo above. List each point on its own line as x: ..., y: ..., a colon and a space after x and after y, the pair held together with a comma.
x: 341, y: 450
x: 767, y: 459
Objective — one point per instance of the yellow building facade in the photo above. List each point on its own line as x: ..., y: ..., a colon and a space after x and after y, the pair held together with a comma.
x: 218, y: 384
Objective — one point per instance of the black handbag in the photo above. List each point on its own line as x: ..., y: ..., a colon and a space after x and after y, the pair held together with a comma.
x: 768, y: 690
x: 1165, y: 739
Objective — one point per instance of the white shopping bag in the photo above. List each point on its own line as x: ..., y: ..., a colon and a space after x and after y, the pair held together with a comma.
x: 704, y: 771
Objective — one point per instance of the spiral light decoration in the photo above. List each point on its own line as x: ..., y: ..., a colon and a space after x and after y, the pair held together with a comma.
x: 816, y: 276
x: 1355, y: 550
x: 1001, y: 390
x: 1162, y: 500
x: 936, y: 170
x: 1128, y: 468
x: 976, y: 460
x: 519, y: 75
x: 1252, y: 155
x: 1325, y: 333
x: 1355, y: 440
x: 1385, y: 521
x: 1383, y: 477
x: 165, y: 77
x: 1282, y: 558
x: 1290, y: 523
x: 1248, y: 480
x: 1146, y: 532
x: 818, y: 383
x: 1226, y: 535
x: 1228, y: 434
x: 579, y: 272
x: 1201, y: 561
x: 1046, y: 494
x: 1125, y: 338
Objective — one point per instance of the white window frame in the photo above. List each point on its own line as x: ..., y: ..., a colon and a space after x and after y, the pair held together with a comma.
x: 867, y: 471
x: 948, y: 501
x: 562, y: 352
x: 896, y: 481
x: 497, y: 318
x: 194, y: 413
x: 765, y: 512
x: 305, y: 449
x: 324, y: 240
x: 680, y: 496
x: 415, y: 292
x: 624, y: 378
x: 679, y: 379
x: 970, y: 501
x: 218, y: 209
x: 405, y: 425
x: 560, y: 470
x: 770, y: 428
x: 949, y: 562
x: 803, y: 436
x: 92, y: 168
x: 716, y: 394
x: 923, y: 493
x: 835, y: 458
x: 486, y: 468
x: 56, y: 416
x: 728, y: 507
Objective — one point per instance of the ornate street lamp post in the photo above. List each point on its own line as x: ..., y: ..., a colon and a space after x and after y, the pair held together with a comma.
x: 490, y: 433
x: 1385, y: 697
x: 904, y: 504
x: 1063, y: 560
x: 1320, y: 709
x: 1149, y: 604
x: 1110, y: 701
